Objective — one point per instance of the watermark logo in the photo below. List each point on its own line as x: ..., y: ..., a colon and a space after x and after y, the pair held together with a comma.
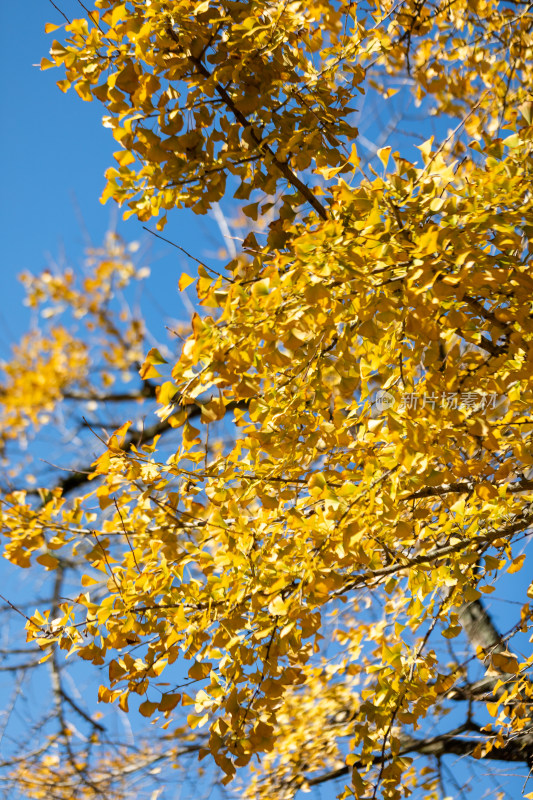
x: 384, y: 400
x: 472, y: 401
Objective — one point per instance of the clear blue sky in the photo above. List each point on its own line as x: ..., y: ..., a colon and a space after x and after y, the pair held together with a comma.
x: 54, y: 153
x: 53, y: 150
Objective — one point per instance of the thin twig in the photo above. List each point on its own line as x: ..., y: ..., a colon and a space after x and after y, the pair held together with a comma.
x: 61, y: 12
x: 126, y: 534
x: 189, y: 255
x: 107, y: 562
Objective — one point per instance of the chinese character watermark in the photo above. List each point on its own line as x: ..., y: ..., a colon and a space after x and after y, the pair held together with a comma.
x: 470, y: 401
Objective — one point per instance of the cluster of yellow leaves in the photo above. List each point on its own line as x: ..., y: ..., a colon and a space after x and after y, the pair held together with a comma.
x: 479, y: 63
x: 49, y: 364
x: 25, y: 527
x: 416, y: 281
x: 33, y: 381
x: 265, y: 88
x: 51, y: 775
x: 284, y: 115
x: 234, y: 561
x: 109, y: 269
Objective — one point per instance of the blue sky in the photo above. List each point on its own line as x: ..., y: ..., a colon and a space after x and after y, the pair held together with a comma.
x: 54, y: 153
x: 53, y: 150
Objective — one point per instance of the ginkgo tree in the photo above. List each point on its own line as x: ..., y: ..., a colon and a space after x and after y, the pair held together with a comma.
x: 282, y: 549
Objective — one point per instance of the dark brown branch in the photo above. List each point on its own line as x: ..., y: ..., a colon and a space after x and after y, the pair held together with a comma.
x: 17, y: 667
x: 518, y: 750
x: 483, y: 689
x: 147, y: 391
x: 87, y: 717
x: 483, y: 312
x: 137, y: 438
x: 487, y: 345
x: 480, y: 629
x: 464, y: 486
x: 519, y: 523
x: 282, y: 166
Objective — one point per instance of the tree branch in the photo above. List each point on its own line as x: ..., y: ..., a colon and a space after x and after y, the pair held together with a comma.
x: 517, y: 750
x: 282, y: 166
x: 520, y: 522
x: 464, y: 486
x: 137, y: 438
